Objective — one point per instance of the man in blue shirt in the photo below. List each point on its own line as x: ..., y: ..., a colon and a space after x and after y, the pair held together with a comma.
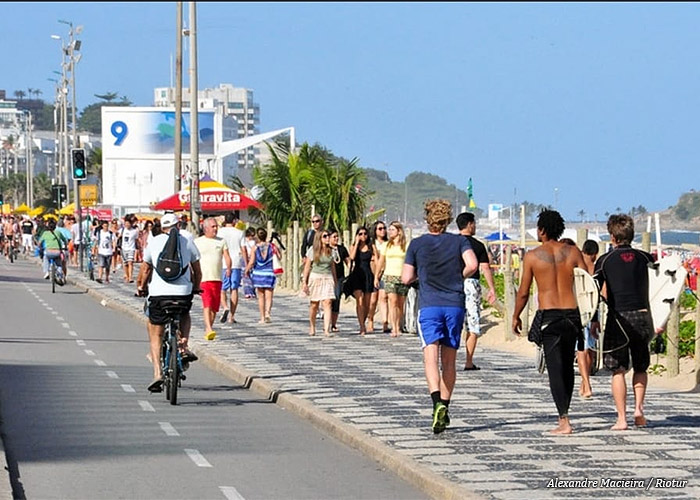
x: 441, y: 261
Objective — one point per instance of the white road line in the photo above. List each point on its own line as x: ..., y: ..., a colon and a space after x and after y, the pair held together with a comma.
x: 65, y: 325
x: 197, y: 458
x: 231, y: 493
x: 99, y: 362
x: 73, y: 334
x: 112, y: 374
x: 169, y: 429
x: 48, y: 308
x: 60, y: 318
x: 55, y: 313
x: 146, y: 406
x: 80, y: 342
x: 128, y: 388
x: 89, y: 352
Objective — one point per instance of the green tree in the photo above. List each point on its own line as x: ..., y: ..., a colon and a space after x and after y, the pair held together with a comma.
x: 42, y: 190
x: 90, y: 118
x: 285, y: 185
x: 14, y: 188
x: 340, y: 194
x: 94, y: 167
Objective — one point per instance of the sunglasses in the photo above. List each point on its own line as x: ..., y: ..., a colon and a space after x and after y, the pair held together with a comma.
x: 325, y: 235
x: 362, y: 234
x: 316, y: 221
x: 381, y: 228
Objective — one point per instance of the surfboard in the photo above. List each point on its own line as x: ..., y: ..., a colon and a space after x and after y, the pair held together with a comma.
x: 666, y: 282
x: 587, y: 295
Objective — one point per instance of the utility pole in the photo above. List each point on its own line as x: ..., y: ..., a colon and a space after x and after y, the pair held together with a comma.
x: 195, y: 205
x: 178, y: 98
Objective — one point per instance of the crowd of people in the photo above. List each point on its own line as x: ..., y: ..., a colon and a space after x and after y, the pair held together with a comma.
x: 378, y: 270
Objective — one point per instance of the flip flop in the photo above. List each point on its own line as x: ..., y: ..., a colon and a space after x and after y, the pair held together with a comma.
x: 470, y: 368
x: 224, y: 316
x: 156, y: 385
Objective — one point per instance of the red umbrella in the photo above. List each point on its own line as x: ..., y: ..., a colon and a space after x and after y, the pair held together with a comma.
x: 214, y: 197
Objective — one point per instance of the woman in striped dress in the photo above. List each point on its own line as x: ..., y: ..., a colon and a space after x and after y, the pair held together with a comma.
x: 260, y: 271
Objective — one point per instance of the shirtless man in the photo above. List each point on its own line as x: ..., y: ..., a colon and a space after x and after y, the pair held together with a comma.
x: 552, y: 265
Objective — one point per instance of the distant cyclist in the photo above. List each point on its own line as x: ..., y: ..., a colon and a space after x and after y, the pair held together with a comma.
x: 54, y: 245
x: 158, y: 291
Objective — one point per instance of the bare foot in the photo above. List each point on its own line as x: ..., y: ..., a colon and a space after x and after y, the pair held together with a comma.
x: 619, y: 426
x: 362, y: 333
x: 562, y: 429
x: 370, y: 327
x: 585, y: 394
x: 311, y: 334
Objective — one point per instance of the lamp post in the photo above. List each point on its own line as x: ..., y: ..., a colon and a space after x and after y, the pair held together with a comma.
x: 195, y: 206
x: 56, y: 148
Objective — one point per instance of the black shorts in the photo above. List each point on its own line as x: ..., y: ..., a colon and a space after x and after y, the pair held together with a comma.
x: 627, y: 334
x: 156, y: 307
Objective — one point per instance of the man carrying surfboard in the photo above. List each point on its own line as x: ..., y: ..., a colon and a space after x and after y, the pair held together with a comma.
x: 629, y: 325
x: 552, y: 266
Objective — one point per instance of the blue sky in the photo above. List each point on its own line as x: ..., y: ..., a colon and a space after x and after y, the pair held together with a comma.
x: 597, y: 102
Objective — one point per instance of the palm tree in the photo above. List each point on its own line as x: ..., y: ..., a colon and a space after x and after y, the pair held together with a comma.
x: 285, y: 185
x: 582, y: 214
x: 19, y: 94
x: 94, y: 167
x: 339, y: 194
x: 42, y: 189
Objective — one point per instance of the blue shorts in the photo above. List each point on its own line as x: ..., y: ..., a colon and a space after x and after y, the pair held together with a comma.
x: 442, y: 325
x: 232, y: 282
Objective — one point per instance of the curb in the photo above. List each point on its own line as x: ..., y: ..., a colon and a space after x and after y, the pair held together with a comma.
x: 6, y: 481
x: 429, y: 482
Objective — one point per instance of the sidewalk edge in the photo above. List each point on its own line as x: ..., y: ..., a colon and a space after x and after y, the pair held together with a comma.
x: 409, y: 470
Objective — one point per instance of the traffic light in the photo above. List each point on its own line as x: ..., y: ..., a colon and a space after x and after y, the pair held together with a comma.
x: 59, y: 193
x: 79, y: 164
x: 2, y: 199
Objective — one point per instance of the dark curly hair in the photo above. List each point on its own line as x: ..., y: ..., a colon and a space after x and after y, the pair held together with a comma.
x: 551, y: 223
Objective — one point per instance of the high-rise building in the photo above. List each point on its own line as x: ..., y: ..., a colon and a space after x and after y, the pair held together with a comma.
x: 241, y: 115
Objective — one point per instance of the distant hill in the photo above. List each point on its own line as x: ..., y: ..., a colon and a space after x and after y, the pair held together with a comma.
x: 684, y: 215
x: 398, y: 197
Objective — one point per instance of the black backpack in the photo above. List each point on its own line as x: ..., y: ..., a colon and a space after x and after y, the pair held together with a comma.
x: 169, y: 265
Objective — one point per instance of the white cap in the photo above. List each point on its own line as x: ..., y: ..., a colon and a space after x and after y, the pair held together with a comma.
x: 169, y: 220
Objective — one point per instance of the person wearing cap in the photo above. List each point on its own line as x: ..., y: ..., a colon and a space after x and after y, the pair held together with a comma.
x: 156, y: 289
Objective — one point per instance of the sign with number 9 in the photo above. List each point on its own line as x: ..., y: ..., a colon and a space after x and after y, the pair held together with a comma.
x: 119, y: 131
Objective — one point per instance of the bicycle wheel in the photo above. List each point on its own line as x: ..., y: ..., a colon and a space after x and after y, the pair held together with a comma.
x: 12, y: 254
x: 173, y: 369
x: 53, y: 277
x: 164, y: 362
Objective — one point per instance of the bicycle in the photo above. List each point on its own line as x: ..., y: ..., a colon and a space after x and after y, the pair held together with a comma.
x: 171, y: 363
x: 55, y: 271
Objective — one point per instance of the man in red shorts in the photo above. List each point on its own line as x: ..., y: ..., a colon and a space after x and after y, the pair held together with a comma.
x: 212, y: 249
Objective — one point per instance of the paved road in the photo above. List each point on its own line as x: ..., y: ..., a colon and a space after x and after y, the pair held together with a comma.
x: 79, y: 423
x: 371, y: 393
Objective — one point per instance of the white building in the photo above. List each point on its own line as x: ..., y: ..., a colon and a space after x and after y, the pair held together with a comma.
x: 235, y: 104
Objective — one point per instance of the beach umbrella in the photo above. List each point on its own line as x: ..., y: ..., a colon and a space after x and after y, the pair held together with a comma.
x: 213, y: 196
x: 496, y: 236
x: 22, y: 209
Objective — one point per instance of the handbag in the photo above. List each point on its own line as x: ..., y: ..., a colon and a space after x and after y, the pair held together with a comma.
x: 276, y: 264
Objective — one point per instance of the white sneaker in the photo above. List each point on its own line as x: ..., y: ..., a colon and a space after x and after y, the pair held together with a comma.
x: 46, y: 276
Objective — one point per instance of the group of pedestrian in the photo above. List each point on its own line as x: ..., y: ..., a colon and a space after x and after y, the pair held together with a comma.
x: 622, y: 276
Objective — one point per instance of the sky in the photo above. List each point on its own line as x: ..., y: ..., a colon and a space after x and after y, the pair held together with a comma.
x: 587, y: 107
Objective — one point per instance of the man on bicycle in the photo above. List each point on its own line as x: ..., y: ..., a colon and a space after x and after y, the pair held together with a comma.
x: 9, y: 229
x: 158, y: 291
x: 54, y: 244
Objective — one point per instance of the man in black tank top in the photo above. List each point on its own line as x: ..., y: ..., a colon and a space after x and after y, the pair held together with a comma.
x: 629, y: 327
